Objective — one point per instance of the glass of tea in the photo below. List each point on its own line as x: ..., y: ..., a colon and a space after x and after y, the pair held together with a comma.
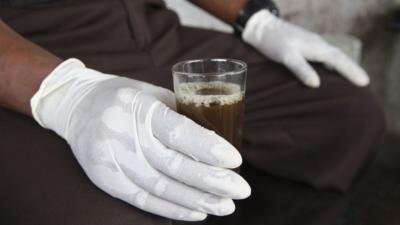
x: 211, y: 92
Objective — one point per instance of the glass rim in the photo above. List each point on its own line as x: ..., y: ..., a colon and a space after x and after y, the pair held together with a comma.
x: 242, y: 64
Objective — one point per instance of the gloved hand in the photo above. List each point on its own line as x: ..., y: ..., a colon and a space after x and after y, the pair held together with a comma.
x: 135, y: 148
x: 292, y: 46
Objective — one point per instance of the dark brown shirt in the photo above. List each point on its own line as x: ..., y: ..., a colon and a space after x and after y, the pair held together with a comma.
x: 20, y: 3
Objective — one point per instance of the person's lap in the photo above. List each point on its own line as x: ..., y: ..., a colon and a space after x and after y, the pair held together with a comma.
x: 302, y: 148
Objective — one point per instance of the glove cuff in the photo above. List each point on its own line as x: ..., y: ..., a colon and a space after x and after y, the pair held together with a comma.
x: 47, y: 86
x: 254, y: 29
x: 59, y: 93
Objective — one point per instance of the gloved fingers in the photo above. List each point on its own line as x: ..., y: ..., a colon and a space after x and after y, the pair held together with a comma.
x: 150, y: 203
x: 115, y: 159
x: 296, y: 62
x: 113, y: 181
x: 218, y: 181
x: 170, y: 210
x: 348, y: 69
x: 178, y: 193
x: 132, y: 157
x: 182, y: 134
x: 332, y: 57
x: 136, y: 166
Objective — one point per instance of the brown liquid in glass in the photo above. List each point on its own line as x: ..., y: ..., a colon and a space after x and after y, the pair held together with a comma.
x: 224, y: 119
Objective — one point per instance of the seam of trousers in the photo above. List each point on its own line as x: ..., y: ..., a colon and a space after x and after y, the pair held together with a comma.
x: 138, y: 26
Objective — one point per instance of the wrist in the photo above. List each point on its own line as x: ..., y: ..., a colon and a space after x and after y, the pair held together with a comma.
x: 22, y: 69
x: 226, y: 10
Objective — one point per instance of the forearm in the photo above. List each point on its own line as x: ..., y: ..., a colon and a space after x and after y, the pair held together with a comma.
x: 227, y: 10
x: 23, y: 65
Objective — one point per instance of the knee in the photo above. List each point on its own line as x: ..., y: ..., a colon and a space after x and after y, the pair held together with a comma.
x: 364, y: 115
x: 344, y: 128
x: 356, y: 128
x: 356, y: 112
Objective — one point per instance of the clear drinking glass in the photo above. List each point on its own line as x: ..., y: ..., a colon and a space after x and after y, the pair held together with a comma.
x: 211, y: 92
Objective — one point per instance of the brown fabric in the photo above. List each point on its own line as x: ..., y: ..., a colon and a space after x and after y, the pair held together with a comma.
x: 302, y: 148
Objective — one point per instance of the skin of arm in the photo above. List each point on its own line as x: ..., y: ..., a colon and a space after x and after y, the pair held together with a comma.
x: 23, y: 66
x: 226, y: 10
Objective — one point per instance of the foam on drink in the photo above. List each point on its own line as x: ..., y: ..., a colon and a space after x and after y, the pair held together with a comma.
x: 209, y: 93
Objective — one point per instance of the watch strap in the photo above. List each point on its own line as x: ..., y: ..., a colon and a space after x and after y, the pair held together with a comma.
x: 251, y: 7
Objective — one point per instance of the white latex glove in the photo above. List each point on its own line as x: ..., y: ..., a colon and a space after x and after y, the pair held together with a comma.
x: 292, y: 46
x: 135, y: 148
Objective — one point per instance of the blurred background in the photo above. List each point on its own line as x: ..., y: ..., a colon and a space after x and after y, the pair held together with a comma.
x: 369, y: 31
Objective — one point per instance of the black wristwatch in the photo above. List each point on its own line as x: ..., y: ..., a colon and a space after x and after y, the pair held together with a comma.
x: 251, y: 7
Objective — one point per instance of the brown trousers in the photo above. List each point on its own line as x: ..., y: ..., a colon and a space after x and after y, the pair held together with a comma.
x: 302, y: 148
